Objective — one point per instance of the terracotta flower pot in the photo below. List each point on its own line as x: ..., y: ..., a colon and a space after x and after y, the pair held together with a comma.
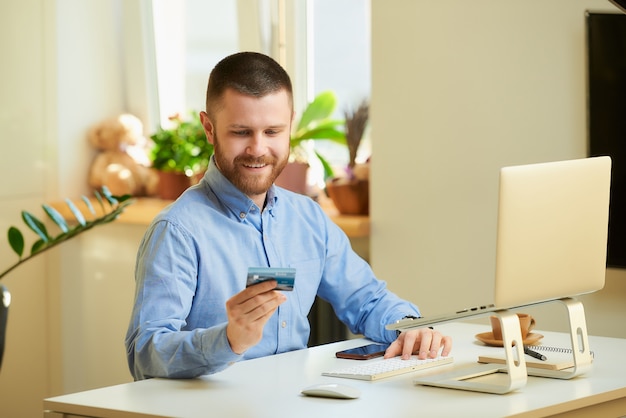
x: 351, y: 197
x: 293, y: 177
x: 172, y: 184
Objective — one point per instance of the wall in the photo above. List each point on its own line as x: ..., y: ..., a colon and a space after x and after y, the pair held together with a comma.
x: 101, y: 62
x: 24, y: 168
x: 97, y: 295
x: 461, y: 88
x: 61, y: 72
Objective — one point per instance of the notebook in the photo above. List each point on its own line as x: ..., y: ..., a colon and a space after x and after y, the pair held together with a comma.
x: 552, y: 233
x: 557, y: 358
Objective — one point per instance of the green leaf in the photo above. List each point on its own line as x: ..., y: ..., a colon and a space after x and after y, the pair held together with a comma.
x: 45, y: 242
x: 328, y: 169
x: 56, y: 218
x: 330, y: 124
x: 77, y: 213
x: 123, y: 198
x: 16, y: 240
x: 36, y: 225
x: 108, y: 196
x: 88, y: 204
x: 321, y: 132
x: 182, y: 147
x: 39, y: 245
x: 105, y: 191
x: 320, y: 108
x: 99, y: 199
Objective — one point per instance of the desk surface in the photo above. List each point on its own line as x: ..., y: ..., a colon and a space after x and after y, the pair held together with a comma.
x: 270, y: 387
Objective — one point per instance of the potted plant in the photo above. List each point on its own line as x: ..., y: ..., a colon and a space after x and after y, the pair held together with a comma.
x: 180, y: 153
x: 316, y: 123
x: 350, y: 193
x: 108, y: 212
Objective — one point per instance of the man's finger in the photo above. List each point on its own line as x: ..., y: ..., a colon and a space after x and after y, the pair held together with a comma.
x: 447, y: 345
x: 394, y: 349
x: 409, y: 343
x: 425, y: 344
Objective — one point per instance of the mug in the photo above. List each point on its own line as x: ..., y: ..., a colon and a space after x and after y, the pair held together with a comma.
x: 526, y: 322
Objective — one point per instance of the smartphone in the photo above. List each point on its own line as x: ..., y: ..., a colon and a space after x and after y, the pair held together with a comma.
x: 364, y: 352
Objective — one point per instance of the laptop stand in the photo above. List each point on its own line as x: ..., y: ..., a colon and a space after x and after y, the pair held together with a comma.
x: 579, y: 340
x: 490, y: 378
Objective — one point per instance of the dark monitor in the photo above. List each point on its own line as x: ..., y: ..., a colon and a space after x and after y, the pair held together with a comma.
x: 620, y: 4
x: 606, y: 62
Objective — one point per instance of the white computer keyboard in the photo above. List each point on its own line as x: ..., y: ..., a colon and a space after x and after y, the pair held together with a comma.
x: 380, y: 368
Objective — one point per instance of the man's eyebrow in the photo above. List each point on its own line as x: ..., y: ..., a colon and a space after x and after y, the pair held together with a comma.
x: 240, y: 126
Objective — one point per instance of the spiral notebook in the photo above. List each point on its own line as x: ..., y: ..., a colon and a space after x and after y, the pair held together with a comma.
x: 558, y: 358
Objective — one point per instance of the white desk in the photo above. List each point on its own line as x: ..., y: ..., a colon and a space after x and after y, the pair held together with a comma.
x: 270, y: 387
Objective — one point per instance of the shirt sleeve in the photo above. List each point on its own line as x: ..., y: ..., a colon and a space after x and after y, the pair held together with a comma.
x: 156, y: 343
x: 359, y: 299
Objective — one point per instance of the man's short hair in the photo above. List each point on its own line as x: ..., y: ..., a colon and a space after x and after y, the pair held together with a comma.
x: 249, y: 73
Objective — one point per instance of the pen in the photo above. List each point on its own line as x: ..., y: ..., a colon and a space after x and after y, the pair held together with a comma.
x: 534, y: 354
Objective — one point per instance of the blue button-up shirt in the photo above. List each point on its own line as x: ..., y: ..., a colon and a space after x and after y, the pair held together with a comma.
x: 195, y: 256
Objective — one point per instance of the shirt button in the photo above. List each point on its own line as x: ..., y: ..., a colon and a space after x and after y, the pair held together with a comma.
x: 283, y: 324
x: 242, y: 215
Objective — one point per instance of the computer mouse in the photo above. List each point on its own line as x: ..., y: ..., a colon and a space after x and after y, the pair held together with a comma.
x: 332, y: 390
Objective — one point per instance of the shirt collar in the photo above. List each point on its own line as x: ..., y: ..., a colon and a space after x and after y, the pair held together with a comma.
x: 233, y: 198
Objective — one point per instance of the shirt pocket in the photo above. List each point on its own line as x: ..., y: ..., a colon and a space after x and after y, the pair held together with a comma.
x: 308, y: 277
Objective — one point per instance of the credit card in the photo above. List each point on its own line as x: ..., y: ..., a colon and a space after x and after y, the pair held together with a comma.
x: 285, y: 277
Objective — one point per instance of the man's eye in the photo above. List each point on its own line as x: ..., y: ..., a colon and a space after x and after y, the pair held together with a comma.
x: 272, y: 132
x: 240, y: 133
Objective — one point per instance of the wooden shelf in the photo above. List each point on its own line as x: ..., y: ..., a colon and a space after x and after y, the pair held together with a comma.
x: 144, y: 209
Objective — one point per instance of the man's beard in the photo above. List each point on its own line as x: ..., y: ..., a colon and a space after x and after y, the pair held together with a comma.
x: 249, y: 184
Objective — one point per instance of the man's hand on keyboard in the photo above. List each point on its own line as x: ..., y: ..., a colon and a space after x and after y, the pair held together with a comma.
x: 424, y: 342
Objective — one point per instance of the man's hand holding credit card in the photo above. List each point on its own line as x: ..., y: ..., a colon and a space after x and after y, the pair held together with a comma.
x: 285, y: 277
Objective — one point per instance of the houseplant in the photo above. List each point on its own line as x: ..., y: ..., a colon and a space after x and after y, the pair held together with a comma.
x: 108, y: 212
x: 180, y: 154
x: 350, y: 193
x: 316, y: 123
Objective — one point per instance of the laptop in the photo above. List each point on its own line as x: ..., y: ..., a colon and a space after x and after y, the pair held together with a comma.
x: 551, y: 236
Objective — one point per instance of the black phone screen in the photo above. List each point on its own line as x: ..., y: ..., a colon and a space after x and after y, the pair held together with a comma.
x: 363, y: 352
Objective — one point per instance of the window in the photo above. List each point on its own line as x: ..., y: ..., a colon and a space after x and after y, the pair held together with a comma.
x: 323, y: 50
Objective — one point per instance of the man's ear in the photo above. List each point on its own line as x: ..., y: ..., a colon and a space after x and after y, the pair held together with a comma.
x: 209, y: 128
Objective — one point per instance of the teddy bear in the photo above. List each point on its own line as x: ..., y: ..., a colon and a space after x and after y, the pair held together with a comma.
x: 122, y: 162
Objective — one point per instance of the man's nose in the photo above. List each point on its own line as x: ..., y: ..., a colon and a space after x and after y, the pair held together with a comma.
x: 257, y: 145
